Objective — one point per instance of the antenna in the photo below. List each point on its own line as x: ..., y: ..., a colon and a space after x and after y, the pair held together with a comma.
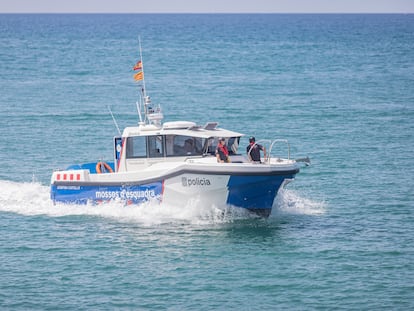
x: 113, y: 118
x: 139, y: 111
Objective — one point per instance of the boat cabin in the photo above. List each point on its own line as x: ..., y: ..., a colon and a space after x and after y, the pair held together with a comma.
x: 147, y: 144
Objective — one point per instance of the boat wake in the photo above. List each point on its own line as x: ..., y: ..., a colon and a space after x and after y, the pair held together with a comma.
x: 34, y: 199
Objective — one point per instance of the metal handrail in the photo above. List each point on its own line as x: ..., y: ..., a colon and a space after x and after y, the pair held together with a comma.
x: 277, y: 141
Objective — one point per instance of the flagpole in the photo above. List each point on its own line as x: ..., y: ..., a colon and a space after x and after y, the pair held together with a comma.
x: 142, y: 66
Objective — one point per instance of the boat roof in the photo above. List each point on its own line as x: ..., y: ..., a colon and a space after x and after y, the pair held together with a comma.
x: 185, y: 128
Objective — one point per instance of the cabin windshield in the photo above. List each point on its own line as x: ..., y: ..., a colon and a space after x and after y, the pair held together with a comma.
x: 180, y: 145
x: 163, y: 145
x: 232, y: 144
x: 156, y: 146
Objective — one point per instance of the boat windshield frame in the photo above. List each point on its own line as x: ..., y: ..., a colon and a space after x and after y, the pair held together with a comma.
x: 175, y: 145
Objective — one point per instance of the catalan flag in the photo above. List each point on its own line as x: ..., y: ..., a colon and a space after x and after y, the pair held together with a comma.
x: 138, y: 65
x: 139, y: 76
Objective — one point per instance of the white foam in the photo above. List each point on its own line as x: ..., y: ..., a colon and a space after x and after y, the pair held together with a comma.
x: 24, y: 198
x: 34, y: 199
x: 289, y: 201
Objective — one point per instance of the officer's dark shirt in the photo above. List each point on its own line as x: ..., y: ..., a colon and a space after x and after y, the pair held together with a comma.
x: 255, y: 153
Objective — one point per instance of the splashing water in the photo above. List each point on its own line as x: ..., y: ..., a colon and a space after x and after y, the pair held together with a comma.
x: 34, y: 199
x: 290, y: 202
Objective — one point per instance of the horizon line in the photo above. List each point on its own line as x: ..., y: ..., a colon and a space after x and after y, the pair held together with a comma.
x: 211, y: 13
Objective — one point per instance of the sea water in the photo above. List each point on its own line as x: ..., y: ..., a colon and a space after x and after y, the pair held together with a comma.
x: 340, y: 88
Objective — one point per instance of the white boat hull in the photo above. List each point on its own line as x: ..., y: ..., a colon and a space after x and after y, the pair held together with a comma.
x: 249, y: 186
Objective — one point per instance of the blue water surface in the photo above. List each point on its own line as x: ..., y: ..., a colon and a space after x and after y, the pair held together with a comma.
x: 340, y: 88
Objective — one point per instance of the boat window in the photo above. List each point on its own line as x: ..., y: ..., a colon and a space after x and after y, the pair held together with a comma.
x: 231, y: 142
x: 179, y: 145
x: 155, y: 146
x: 136, y: 147
x: 211, y: 146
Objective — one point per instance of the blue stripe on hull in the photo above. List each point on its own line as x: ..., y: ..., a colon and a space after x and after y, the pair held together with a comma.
x: 254, y: 192
x: 125, y: 193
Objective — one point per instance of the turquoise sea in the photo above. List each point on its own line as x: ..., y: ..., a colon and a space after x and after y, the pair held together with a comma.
x: 340, y: 88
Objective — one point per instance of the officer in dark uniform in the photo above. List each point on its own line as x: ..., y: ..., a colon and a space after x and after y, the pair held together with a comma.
x: 253, y: 150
